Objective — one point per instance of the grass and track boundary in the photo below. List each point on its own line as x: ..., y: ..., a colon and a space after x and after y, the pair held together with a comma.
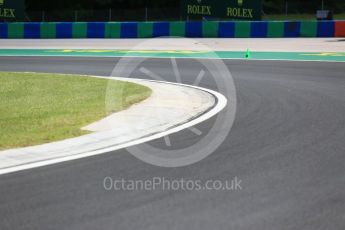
x: 38, y: 108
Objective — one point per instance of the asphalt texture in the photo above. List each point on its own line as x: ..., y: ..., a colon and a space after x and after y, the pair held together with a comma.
x: 286, y: 146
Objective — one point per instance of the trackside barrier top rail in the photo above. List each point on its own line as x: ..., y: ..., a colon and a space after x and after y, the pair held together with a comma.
x: 194, y: 29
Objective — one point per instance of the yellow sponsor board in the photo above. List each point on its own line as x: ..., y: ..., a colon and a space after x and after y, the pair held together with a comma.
x: 227, y: 9
x: 11, y: 10
x: 240, y: 12
x: 201, y: 10
x: 7, y: 13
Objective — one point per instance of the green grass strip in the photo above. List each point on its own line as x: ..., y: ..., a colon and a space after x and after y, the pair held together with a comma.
x: 40, y: 108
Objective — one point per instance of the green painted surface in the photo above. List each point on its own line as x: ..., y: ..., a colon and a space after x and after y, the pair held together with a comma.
x: 295, y: 56
x: 145, y: 30
x: 308, y: 29
x: 275, y: 30
x: 112, y: 30
x: 177, y: 29
x: 79, y: 30
x: 48, y: 30
x: 210, y: 29
x: 242, y: 29
x: 16, y: 30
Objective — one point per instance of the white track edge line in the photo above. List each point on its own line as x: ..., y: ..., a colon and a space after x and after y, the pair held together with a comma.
x: 221, y: 103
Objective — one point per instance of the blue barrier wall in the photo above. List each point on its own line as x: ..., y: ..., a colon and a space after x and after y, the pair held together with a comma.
x: 194, y: 29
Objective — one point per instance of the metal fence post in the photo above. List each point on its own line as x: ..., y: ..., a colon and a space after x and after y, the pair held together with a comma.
x: 109, y: 14
x: 75, y: 15
x: 43, y: 16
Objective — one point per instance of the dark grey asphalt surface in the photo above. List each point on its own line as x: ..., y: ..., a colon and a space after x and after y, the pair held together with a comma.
x: 287, y: 146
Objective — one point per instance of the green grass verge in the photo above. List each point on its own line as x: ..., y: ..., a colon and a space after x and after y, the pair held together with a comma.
x: 282, y: 17
x: 40, y: 108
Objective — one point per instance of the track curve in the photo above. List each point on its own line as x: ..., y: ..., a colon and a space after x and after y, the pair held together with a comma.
x: 287, y: 146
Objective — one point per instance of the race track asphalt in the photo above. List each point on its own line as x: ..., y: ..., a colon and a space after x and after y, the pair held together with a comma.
x: 286, y: 145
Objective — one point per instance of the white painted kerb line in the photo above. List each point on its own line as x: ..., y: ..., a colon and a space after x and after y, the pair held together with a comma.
x: 221, y: 102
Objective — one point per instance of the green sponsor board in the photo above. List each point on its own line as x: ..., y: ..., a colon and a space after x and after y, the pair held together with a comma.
x: 222, y: 9
x: 11, y: 10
